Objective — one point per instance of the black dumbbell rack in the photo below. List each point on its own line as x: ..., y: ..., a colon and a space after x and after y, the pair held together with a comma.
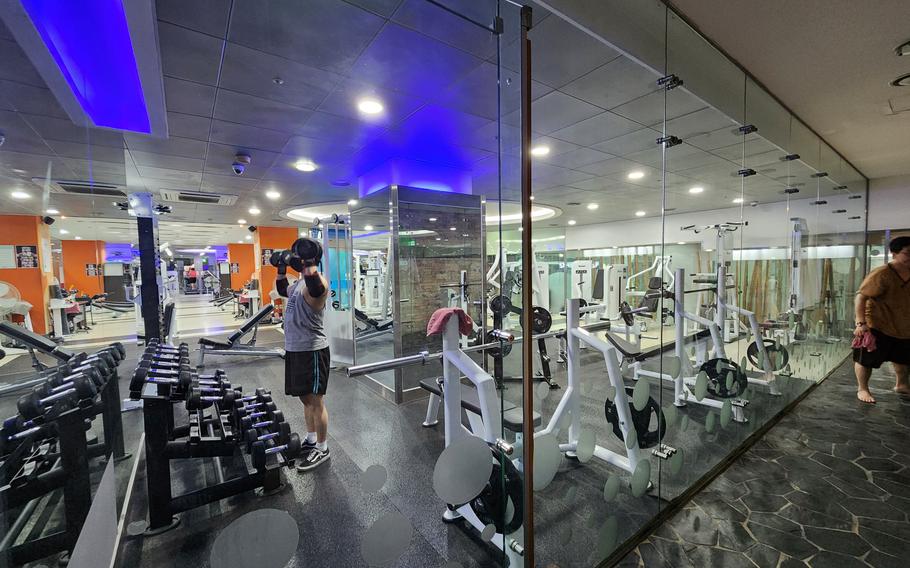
x: 24, y: 478
x: 203, y: 436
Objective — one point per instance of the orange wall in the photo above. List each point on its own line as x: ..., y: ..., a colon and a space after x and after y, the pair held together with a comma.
x: 32, y: 283
x: 275, y: 238
x: 76, y: 254
x: 242, y: 254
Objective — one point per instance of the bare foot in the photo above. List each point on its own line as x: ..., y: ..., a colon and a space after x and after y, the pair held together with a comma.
x: 903, y: 389
x: 865, y: 396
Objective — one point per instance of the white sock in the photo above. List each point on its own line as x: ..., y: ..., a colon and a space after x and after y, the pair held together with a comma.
x: 322, y: 446
x: 311, y: 437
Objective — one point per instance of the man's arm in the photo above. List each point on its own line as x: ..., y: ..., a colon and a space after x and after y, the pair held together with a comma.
x: 315, y: 289
x: 281, y: 284
x: 859, y: 313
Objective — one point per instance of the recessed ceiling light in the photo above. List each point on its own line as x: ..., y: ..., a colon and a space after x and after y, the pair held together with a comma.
x: 52, y: 212
x: 681, y: 242
x: 709, y: 250
x: 272, y: 194
x: 738, y: 200
x: 248, y: 238
x: 640, y: 213
x: 352, y: 202
x: 637, y: 174
x: 902, y: 81
x: 572, y: 221
x: 432, y: 219
x: 78, y: 238
x: 593, y: 206
x: 19, y: 195
x: 540, y: 150
x: 241, y: 221
x: 305, y: 165
x: 369, y: 106
x: 532, y: 198
x: 254, y: 211
x: 452, y: 228
x: 696, y: 189
x: 438, y: 238
x: 368, y: 227
x: 64, y: 232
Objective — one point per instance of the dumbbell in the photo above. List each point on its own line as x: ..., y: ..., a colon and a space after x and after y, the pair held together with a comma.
x: 250, y: 402
x: 254, y: 420
x: 170, y: 364
x: 32, y: 405
x: 84, y: 385
x: 257, y: 395
x: 182, y: 351
x: 164, y: 348
x: 56, y: 384
x: 7, y: 437
x: 198, y: 399
x: 249, y: 409
x: 281, y: 433
x: 259, y: 452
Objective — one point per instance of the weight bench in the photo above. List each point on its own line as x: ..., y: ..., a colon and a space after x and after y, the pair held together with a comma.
x: 233, y: 345
x: 511, y: 414
x: 372, y: 327
x: 32, y: 341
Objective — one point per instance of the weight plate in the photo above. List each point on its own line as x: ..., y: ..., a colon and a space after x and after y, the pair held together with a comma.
x: 500, y: 305
x: 503, y: 350
x: 541, y: 320
x: 726, y: 379
x: 502, y: 493
x: 641, y: 421
x: 778, y: 355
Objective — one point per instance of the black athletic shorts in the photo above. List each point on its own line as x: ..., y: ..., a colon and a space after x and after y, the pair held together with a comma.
x: 887, y: 348
x: 306, y: 372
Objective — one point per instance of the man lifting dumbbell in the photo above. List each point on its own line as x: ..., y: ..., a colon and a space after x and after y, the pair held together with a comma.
x: 306, y: 363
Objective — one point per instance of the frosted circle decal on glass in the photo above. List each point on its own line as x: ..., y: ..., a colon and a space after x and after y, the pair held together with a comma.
x: 701, y: 385
x: 462, y: 470
x: 543, y: 390
x: 726, y: 413
x: 611, y: 392
x: 607, y: 537
x: 386, y: 539
x: 676, y: 461
x: 710, y: 421
x: 487, y: 533
x: 719, y: 366
x: 584, y: 451
x: 570, y: 494
x: 546, y: 461
x: 640, y: 394
x: 731, y: 378
x: 632, y: 438
x: 672, y: 366
x: 566, y: 536
x: 670, y: 414
x: 641, y: 477
x: 684, y: 423
x: 373, y: 478
x: 744, y: 363
x: 232, y: 549
x: 611, y: 487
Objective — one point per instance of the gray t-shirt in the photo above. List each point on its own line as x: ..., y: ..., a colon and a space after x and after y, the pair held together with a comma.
x: 303, y: 327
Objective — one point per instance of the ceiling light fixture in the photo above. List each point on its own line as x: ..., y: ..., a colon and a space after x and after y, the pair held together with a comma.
x: 52, y: 212
x: 368, y: 227
x: 272, y: 194
x: 681, y: 242
x: 452, y: 228
x: 903, y: 49
x: 248, y: 237
x: 432, y: 219
x: 305, y: 165
x: 64, y: 232
x: 738, y: 200
x: 532, y: 198
x: 592, y: 206
x: 254, y: 211
x: 241, y: 221
x: 78, y: 238
x: 572, y: 221
x: 19, y: 195
x: 696, y: 189
x: 352, y: 202
x: 637, y: 174
x: 902, y: 81
x: 540, y: 150
x: 370, y: 106
x: 640, y: 213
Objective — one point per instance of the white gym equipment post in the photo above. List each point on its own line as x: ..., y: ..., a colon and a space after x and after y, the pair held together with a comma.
x: 660, y: 268
x: 337, y: 267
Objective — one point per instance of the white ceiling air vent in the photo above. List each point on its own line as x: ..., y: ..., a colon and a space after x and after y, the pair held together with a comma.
x: 197, y: 197
x: 85, y: 188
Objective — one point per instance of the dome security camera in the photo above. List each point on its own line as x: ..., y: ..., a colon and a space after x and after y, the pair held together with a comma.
x: 241, y: 161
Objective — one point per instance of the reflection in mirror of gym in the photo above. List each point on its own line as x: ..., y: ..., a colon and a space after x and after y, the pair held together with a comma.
x: 453, y: 283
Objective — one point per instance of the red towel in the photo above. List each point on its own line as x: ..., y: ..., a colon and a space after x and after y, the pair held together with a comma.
x: 866, y: 341
x: 437, y: 323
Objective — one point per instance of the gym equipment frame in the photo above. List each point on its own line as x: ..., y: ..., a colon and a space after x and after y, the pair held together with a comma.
x: 234, y: 345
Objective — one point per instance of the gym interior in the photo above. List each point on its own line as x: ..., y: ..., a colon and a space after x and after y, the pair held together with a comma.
x: 658, y: 260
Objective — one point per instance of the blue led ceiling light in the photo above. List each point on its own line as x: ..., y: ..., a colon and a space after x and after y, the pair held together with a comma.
x: 90, y: 42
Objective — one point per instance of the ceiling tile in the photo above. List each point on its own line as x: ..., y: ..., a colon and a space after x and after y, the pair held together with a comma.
x: 632, y: 142
x: 86, y: 151
x: 148, y: 159
x: 52, y: 128
x: 189, y: 55
x: 188, y: 98
x: 253, y: 72
x: 339, y: 130
x: 206, y: 16
x: 698, y: 123
x: 220, y: 157
x: 576, y: 159
x: 20, y: 136
x: 30, y: 99
x: 562, y: 52
x: 344, y: 99
x: 410, y: 62
x: 478, y: 92
x: 384, y: 8
x: 554, y: 111
x: 309, y: 33
x: 188, y: 126
x: 16, y: 66
x: 597, y: 129
x: 619, y: 81
x: 651, y: 109
x: 173, y: 146
x: 435, y: 22
x: 264, y: 113
x: 161, y: 177
x: 242, y: 136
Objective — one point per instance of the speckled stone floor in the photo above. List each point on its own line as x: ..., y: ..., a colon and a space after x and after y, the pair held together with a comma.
x: 828, y: 486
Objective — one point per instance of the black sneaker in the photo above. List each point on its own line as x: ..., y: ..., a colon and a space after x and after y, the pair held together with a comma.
x: 313, y: 459
x: 306, y: 447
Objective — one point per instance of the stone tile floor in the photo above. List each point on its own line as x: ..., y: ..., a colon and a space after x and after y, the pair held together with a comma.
x: 828, y: 486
